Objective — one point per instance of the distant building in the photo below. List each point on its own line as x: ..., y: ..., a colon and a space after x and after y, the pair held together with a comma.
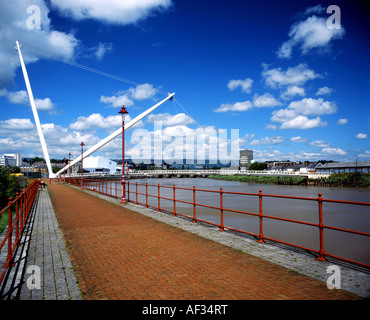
x: 17, y: 157
x: 99, y: 164
x: 246, y: 157
x: 338, y: 167
x: 6, y: 160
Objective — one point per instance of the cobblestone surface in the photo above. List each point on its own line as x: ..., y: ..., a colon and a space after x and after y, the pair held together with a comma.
x: 118, y: 253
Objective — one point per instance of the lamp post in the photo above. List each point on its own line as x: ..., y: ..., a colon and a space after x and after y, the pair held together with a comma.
x: 64, y: 163
x: 69, y: 169
x: 123, y: 112
x: 82, y: 166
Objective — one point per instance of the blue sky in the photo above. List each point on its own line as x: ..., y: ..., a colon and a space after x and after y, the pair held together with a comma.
x: 293, y: 87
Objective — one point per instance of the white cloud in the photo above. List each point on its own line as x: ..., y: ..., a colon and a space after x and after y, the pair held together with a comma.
x: 342, y: 121
x: 16, y: 124
x: 245, y: 84
x: 14, y: 25
x: 295, y: 116
x: 171, y: 120
x: 110, y: 11
x: 293, y: 76
x: 21, y: 97
x: 97, y: 121
x: 316, y: 9
x: 361, y: 136
x: 267, y: 140
x: 293, y: 91
x: 366, y: 154
x: 143, y: 91
x: 309, y: 34
x: 117, y: 101
x: 266, y: 100
x: 298, y: 139
x: 126, y: 97
x: 302, y: 122
x: 313, y: 107
x: 102, y: 49
x: 270, y: 127
x: 44, y: 104
x: 333, y: 151
x: 323, y: 91
x: 238, y: 107
x: 320, y: 143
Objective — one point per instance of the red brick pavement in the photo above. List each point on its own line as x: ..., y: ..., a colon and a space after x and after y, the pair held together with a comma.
x: 120, y: 254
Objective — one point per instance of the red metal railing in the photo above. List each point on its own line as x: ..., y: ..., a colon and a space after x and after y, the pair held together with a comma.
x: 18, y: 210
x: 113, y: 189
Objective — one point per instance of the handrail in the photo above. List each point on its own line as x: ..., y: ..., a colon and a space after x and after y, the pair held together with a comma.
x: 18, y: 210
x: 113, y: 188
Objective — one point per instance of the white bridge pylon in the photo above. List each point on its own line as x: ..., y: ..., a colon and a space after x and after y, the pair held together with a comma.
x: 92, y: 149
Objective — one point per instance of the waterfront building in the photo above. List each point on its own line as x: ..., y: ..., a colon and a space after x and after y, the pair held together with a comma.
x: 350, y: 166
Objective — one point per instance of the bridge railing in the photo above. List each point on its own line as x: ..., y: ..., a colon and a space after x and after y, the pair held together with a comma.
x: 18, y: 210
x: 173, y: 200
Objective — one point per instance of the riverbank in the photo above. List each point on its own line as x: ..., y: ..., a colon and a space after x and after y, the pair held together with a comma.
x: 353, y: 180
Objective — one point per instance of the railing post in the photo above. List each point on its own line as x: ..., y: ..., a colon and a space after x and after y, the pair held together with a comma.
x: 260, y: 239
x: 136, y: 193
x: 128, y: 191
x: 194, y: 205
x: 221, y: 211
x: 146, y: 194
x: 16, y: 219
x: 159, y: 198
x: 9, y: 234
x: 321, y: 256
x: 22, y: 209
x: 174, y: 200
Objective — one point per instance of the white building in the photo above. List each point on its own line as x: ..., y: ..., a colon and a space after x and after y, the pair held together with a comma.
x: 11, y: 159
x: 99, y: 164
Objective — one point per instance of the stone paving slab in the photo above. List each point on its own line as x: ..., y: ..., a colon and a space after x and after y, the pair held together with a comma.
x: 48, y: 256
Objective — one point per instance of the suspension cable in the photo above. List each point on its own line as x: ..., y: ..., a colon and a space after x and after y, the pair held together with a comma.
x: 77, y: 65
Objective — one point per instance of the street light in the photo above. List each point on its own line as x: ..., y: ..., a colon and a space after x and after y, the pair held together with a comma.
x: 123, y: 112
x: 82, y: 166
x: 64, y: 163
x: 69, y: 169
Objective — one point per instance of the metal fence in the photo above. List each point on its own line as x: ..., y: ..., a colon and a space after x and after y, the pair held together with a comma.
x: 154, y: 196
x: 18, y: 210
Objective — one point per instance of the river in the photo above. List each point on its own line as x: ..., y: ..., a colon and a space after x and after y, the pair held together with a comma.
x: 347, y: 216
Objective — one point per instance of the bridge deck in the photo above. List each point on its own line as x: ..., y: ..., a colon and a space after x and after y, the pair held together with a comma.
x: 120, y: 254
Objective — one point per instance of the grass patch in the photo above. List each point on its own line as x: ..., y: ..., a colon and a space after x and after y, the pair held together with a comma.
x: 262, y: 179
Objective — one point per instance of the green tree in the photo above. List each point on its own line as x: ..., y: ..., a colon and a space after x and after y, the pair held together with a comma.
x: 9, y: 185
x: 257, y: 166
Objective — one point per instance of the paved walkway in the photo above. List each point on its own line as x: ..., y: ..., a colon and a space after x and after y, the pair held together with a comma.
x: 48, y: 273
x: 120, y: 254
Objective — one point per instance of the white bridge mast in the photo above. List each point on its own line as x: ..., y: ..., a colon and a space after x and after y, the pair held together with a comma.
x: 92, y: 149
x: 35, y: 114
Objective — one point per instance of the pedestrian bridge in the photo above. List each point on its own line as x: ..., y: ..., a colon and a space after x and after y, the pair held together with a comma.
x: 200, y: 173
